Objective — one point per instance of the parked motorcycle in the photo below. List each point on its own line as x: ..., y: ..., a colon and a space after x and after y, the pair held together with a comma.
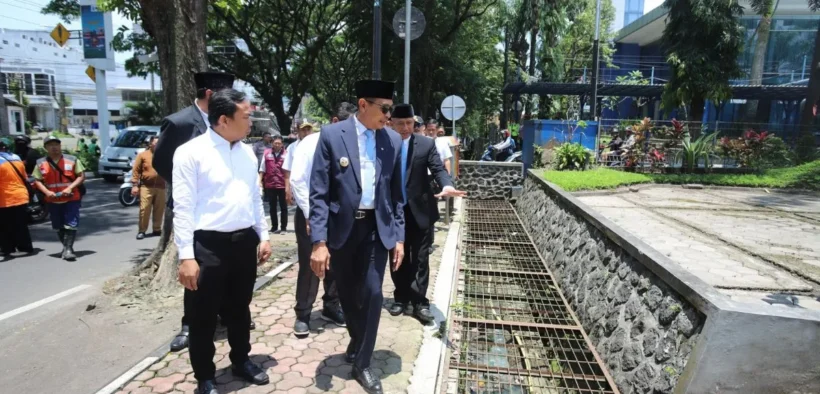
x: 125, y: 197
x: 37, y: 210
x: 489, y: 156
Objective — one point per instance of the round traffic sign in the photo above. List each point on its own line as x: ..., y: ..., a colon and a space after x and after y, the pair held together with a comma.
x: 417, y: 22
x: 453, y: 108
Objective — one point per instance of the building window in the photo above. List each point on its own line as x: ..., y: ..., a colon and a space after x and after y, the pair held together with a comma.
x: 55, y: 54
x: 24, y: 36
x: 115, y: 112
x: 4, y: 87
x: 28, y: 84
x: 53, y: 87
x: 6, y: 42
x: 34, y: 49
x: 64, y: 56
x: 41, y: 85
x: 633, y: 11
x: 16, y: 45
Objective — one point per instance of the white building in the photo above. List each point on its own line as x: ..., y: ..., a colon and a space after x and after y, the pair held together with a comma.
x: 32, y: 59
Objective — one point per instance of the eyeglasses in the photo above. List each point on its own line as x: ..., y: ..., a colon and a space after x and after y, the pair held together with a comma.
x: 384, y: 107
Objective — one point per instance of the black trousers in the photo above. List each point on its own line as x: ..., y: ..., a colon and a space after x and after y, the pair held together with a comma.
x: 359, y: 267
x: 412, y: 278
x: 277, y: 197
x: 227, y: 272
x: 307, y: 284
x: 14, y: 229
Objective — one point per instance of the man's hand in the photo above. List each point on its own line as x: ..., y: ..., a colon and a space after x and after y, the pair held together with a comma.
x: 307, y: 225
x: 398, y: 255
x: 450, y: 191
x: 50, y: 194
x: 135, y: 190
x: 263, y: 254
x: 189, y: 274
x: 320, y: 259
x: 67, y: 191
x: 288, y: 195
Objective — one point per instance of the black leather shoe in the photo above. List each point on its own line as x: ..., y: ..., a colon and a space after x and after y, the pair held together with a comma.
x: 206, y: 387
x: 251, y: 372
x: 140, y: 235
x: 253, y: 325
x: 181, y: 340
x: 335, y: 316
x: 350, y: 353
x: 301, y: 329
x: 370, y: 383
x: 156, y: 233
x: 396, y: 309
x: 423, y: 314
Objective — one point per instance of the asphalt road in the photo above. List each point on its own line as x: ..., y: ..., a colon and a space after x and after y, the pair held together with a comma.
x: 50, y: 342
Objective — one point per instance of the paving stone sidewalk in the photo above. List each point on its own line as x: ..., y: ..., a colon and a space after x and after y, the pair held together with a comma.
x: 311, y: 365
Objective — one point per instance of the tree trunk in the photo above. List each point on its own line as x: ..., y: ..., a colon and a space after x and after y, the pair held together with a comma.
x: 696, y: 110
x: 759, y: 60
x: 531, y: 72
x: 178, y: 27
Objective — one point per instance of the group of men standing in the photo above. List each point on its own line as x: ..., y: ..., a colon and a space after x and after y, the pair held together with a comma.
x: 363, y: 196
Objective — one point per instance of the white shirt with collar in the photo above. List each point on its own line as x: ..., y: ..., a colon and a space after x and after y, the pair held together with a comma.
x: 215, y: 188
x: 302, y: 165
x: 363, y: 162
x: 289, y: 152
x: 203, y: 113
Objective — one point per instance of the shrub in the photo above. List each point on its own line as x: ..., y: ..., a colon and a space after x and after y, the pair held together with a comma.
x: 571, y: 157
x: 692, y: 152
x: 756, y: 150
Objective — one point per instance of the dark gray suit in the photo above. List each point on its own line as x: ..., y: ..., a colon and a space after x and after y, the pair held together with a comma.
x: 420, y: 215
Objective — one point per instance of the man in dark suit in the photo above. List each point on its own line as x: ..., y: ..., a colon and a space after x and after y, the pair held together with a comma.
x: 419, y: 155
x: 177, y: 129
x: 356, y: 216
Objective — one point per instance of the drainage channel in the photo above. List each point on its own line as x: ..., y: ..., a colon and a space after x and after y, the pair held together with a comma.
x: 512, y: 331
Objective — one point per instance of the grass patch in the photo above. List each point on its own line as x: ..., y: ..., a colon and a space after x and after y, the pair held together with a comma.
x: 806, y: 176
x: 599, y: 178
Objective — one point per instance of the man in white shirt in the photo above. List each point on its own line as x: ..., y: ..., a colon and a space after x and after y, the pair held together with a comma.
x: 305, y: 129
x: 220, y: 230
x: 307, y: 283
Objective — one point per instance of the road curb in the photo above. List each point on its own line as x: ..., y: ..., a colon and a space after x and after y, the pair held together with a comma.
x: 161, y: 351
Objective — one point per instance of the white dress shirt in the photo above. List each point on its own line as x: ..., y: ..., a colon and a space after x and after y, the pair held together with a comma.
x: 289, y: 152
x: 215, y: 188
x: 302, y: 165
x: 203, y: 113
x: 367, y: 168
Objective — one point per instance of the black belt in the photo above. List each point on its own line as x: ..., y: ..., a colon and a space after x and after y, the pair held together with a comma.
x: 364, y: 214
x: 231, y: 236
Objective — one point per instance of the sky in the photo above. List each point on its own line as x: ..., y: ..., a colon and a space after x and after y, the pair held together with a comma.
x: 648, y: 5
x: 25, y: 15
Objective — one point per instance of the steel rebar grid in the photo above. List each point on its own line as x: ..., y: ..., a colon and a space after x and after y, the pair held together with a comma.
x: 512, y: 329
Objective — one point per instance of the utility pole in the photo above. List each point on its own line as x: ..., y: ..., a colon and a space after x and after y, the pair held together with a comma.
x: 505, y: 105
x: 407, y: 25
x: 63, y: 114
x: 377, y: 39
x: 593, y: 105
x: 4, y: 122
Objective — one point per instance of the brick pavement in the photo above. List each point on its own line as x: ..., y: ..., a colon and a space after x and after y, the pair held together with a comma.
x: 311, y: 365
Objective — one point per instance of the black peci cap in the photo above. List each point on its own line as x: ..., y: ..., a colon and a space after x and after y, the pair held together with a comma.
x: 213, y: 80
x: 402, y: 111
x: 370, y: 88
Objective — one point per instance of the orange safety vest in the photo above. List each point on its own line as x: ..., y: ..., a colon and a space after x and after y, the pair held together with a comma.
x: 56, y: 182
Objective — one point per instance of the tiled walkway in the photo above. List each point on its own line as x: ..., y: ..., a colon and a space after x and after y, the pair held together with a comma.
x: 311, y: 365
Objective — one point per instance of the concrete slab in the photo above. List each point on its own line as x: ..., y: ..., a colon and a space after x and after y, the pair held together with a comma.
x: 738, y: 240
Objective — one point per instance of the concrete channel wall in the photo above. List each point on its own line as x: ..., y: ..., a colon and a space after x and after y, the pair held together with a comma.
x: 487, y: 180
x: 659, y: 328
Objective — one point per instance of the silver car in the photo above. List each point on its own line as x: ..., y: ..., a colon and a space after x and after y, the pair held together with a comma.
x: 116, y: 159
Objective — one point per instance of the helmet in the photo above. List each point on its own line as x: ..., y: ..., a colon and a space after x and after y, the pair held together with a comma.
x: 505, y: 132
x: 5, y: 142
x: 22, y: 139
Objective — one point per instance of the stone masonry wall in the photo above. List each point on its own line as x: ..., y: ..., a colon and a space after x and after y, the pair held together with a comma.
x: 488, y: 180
x: 642, y: 329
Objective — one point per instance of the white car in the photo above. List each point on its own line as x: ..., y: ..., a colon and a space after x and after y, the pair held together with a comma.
x: 117, y: 158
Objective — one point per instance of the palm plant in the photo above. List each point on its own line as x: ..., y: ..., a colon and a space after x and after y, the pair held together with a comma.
x: 692, y: 152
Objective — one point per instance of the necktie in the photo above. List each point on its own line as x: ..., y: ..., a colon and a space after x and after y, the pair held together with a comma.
x: 404, y: 172
x: 370, y: 147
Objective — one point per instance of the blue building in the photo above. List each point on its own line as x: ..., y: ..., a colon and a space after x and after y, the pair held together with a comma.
x: 788, y: 56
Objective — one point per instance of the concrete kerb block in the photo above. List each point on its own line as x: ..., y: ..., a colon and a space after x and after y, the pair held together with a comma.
x: 743, y: 348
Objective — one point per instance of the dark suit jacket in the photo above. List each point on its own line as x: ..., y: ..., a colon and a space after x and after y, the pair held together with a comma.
x: 422, y: 155
x: 335, y: 190
x: 177, y: 129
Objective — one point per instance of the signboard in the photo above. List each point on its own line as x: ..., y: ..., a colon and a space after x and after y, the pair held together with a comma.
x: 453, y: 108
x: 60, y: 34
x: 93, y: 32
x: 91, y: 73
x: 97, y: 33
